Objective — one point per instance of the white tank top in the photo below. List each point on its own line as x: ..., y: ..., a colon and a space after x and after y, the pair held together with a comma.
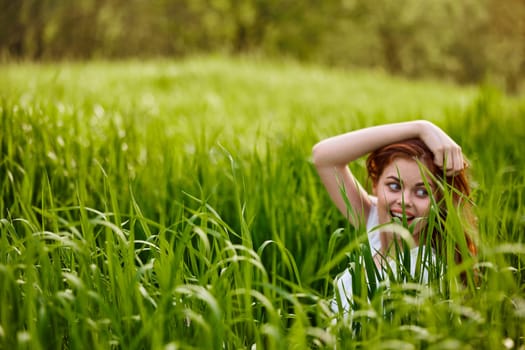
x: 371, y: 223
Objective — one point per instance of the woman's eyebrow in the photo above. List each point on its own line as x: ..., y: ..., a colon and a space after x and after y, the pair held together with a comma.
x: 424, y: 184
x: 395, y: 178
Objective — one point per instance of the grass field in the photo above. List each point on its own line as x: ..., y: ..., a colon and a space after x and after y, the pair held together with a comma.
x: 173, y: 205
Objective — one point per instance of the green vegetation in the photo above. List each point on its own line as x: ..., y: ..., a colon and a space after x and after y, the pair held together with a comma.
x: 173, y: 205
x: 468, y: 41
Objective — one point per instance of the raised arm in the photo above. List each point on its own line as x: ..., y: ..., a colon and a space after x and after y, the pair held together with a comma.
x: 331, y: 157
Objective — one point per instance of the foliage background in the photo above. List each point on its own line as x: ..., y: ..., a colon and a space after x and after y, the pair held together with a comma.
x: 465, y: 41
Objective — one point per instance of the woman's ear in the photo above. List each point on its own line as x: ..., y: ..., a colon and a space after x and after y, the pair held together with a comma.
x: 374, y: 189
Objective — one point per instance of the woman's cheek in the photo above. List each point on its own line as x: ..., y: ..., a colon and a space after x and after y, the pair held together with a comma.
x: 424, y: 206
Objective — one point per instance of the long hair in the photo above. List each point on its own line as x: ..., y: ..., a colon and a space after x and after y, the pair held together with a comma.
x: 457, y: 184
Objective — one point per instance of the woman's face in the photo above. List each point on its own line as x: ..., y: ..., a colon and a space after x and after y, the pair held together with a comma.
x: 402, y: 190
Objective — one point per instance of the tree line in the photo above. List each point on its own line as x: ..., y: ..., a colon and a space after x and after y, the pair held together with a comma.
x: 466, y: 41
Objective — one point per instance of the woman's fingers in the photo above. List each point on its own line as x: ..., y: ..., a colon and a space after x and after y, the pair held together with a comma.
x: 452, y: 161
x: 449, y: 158
x: 448, y: 163
x: 447, y: 153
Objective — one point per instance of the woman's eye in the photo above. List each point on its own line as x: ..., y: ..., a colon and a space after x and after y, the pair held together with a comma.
x: 394, y: 186
x: 421, y: 192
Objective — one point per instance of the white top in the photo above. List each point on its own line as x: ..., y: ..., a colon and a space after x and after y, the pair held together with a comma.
x: 373, y: 222
x: 344, y: 280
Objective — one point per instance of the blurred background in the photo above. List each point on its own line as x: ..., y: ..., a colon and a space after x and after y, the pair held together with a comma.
x: 467, y: 41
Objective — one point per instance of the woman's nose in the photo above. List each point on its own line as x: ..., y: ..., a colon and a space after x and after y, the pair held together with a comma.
x: 405, y: 198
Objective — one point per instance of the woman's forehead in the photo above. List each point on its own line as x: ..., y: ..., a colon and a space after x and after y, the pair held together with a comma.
x: 404, y: 168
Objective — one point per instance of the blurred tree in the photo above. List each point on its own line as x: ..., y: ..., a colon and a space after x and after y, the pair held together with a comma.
x: 468, y: 40
x: 12, y: 32
x: 467, y: 48
x: 297, y: 28
x: 411, y: 37
x: 506, y: 48
x: 21, y: 32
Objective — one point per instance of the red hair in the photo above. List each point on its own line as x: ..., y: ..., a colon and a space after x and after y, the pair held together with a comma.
x: 457, y: 183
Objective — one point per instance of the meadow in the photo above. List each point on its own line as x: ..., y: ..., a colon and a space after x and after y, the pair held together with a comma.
x: 174, y: 205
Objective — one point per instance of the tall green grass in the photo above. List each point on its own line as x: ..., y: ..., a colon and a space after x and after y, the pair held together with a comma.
x: 174, y: 205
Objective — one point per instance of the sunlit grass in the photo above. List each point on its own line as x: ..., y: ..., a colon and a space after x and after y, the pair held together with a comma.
x: 174, y: 205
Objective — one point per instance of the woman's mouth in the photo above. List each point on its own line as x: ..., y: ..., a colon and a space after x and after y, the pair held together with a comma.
x: 401, y: 216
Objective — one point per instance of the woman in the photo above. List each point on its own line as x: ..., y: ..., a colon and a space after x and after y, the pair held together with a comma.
x: 409, y: 165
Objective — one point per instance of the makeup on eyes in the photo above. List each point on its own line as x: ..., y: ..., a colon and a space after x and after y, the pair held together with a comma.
x: 396, y: 184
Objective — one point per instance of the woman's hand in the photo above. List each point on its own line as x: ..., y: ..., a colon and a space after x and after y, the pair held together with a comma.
x: 447, y: 153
